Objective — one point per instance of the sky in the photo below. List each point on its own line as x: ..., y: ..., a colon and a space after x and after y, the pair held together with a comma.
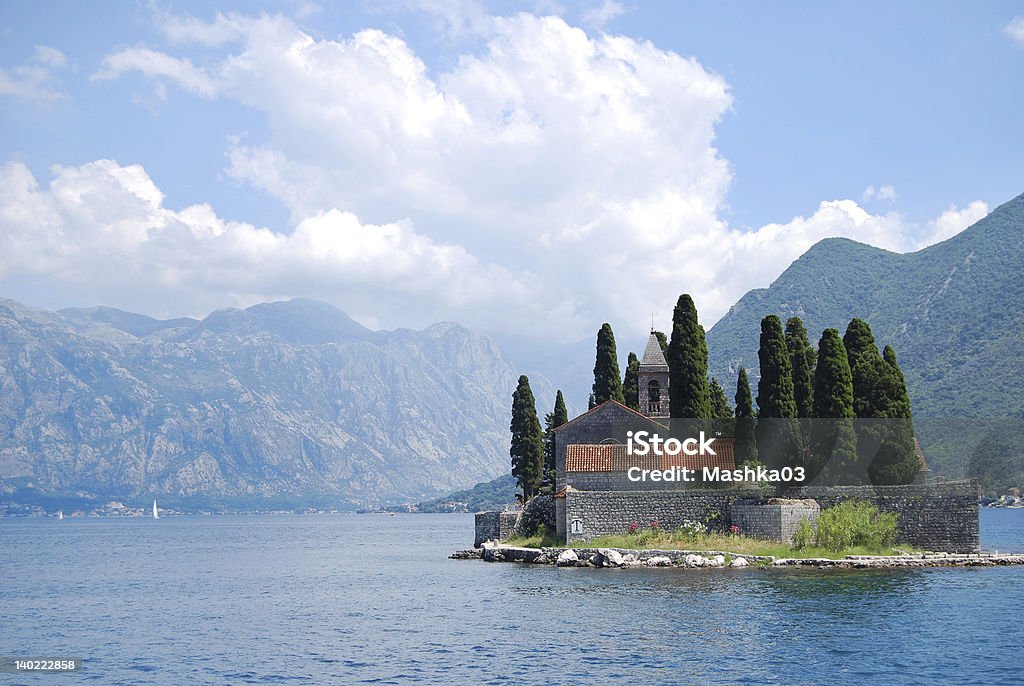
x: 529, y: 169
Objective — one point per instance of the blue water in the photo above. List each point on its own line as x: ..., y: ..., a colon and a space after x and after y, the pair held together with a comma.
x: 373, y: 599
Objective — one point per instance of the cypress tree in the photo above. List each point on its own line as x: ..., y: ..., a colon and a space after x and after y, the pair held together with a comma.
x: 688, y: 364
x: 527, y: 449
x: 866, y: 368
x: 778, y: 440
x: 553, y: 420
x: 607, y: 382
x: 833, y: 443
x: 802, y: 359
x: 720, y: 408
x: 630, y: 387
x: 896, y: 462
x: 746, y: 443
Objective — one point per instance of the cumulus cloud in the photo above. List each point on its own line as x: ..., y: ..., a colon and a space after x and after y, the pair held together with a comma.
x: 953, y: 221
x: 546, y: 182
x: 1015, y: 30
x: 34, y: 80
x: 102, y: 226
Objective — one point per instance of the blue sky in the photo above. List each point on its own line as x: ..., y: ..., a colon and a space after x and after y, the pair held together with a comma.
x: 541, y: 167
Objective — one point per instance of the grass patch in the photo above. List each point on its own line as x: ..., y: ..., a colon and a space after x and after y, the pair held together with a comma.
x: 731, y: 543
x: 535, y: 541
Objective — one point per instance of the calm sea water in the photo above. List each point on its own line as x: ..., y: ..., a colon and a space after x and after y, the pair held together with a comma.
x: 373, y: 599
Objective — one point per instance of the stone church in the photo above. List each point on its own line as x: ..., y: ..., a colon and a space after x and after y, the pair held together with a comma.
x: 591, y: 458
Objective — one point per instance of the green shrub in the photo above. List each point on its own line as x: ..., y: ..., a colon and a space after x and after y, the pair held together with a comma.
x: 856, y: 524
x: 804, y: 534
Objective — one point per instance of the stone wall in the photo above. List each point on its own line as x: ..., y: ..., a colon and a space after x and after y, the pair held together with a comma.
x: 774, y: 520
x: 611, y: 512
x: 941, y: 516
x: 494, y: 526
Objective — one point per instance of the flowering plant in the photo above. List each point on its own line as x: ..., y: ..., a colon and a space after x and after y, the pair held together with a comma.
x: 633, y: 527
x: 734, y: 530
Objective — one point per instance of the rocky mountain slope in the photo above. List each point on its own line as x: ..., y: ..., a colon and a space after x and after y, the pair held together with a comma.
x: 286, y: 398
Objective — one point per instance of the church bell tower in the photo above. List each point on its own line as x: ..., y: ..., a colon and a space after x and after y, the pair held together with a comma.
x: 652, y: 380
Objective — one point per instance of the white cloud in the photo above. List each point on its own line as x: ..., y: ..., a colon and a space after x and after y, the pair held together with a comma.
x: 597, y: 17
x: 1015, y: 30
x: 953, y: 221
x: 886, y: 192
x: 545, y: 182
x: 33, y: 81
x: 152, y: 63
x: 103, y: 231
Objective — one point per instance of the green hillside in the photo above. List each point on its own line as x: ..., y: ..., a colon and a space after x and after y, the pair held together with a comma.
x: 954, y: 312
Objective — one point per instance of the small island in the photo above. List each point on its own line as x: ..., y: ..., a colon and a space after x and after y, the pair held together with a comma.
x: 824, y: 471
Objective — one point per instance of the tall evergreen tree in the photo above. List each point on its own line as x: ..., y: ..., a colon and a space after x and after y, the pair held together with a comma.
x: 833, y: 443
x: 885, y: 448
x: 720, y: 408
x: 630, y: 383
x: 746, y: 442
x: 778, y: 435
x: 802, y: 359
x: 527, y: 448
x: 896, y: 462
x: 553, y: 420
x: 866, y: 369
x: 607, y: 382
x: 688, y: 363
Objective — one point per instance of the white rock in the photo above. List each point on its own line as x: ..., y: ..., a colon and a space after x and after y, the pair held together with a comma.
x: 628, y: 558
x: 567, y: 558
x: 716, y: 561
x: 611, y: 558
x: 739, y: 562
x: 695, y: 561
x: 659, y: 561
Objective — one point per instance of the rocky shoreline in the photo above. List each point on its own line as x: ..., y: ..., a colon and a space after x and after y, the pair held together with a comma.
x: 625, y: 558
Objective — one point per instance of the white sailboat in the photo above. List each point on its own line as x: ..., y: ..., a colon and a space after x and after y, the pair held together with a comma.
x: 60, y: 514
x: 156, y: 515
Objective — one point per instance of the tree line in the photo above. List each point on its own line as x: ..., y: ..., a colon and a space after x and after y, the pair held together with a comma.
x: 864, y: 432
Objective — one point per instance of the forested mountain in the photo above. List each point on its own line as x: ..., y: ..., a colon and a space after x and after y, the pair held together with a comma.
x: 954, y: 312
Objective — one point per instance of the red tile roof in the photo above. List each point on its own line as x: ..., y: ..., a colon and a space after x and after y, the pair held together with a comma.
x: 614, y: 458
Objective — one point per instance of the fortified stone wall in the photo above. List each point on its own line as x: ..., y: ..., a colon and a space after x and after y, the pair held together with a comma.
x: 494, y: 526
x: 611, y: 512
x: 941, y: 517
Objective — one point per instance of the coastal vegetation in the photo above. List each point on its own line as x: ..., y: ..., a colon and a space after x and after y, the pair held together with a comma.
x: 850, y: 528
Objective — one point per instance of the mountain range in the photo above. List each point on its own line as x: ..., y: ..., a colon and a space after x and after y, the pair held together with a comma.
x: 281, y: 399
x: 296, y: 400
